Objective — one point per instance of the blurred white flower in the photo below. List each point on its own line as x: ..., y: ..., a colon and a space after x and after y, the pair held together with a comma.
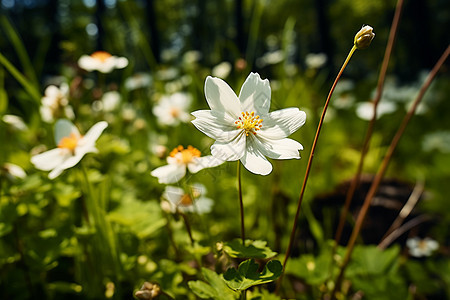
x: 12, y: 171
x: 109, y: 102
x: 15, y: 121
x: 421, y: 247
x: 243, y: 127
x: 102, y: 61
x: 55, y: 103
x: 315, y: 60
x: 364, y: 110
x: 128, y: 113
x: 344, y: 101
x: 179, y: 159
x: 439, y: 140
x: 191, y: 57
x: 344, y: 86
x: 221, y: 70
x: 173, y: 109
x: 72, y: 146
x: 138, y: 81
x: 194, y: 201
x: 270, y: 58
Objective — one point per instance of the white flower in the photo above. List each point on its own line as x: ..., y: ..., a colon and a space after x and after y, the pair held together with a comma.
x: 364, y: 110
x: 180, y: 159
x: 192, y: 201
x: 15, y: 121
x: 137, y: 81
x: 421, y: 247
x: 438, y: 140
x: 173, y: 109
x: 243, y: 127
x: 222, y: 70
x: 102, y: 61
x: 315, y: 60
x: 12, y: 171
x: 109, y: 102
x: 55, y: 103
x: 72, y: 146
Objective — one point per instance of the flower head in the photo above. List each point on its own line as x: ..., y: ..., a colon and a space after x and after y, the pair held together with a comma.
x: 192, y: 201
x: 243, y: 127
x: 55, y: 103
x: 179, y: 159
x: 173, y: 109
x: 421, y: 247
x: 71, y: 147
x: 364, y: 37
x: 364, y: 110
x: 102, y: 61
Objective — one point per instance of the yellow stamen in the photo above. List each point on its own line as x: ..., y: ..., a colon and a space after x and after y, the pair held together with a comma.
x: 101, y: 55
x: 186, y: 155
x: 249, y: 122
x: 69, y: 142
x: 186, y: 200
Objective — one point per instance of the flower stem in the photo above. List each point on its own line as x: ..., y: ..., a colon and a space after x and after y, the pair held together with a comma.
x: 241, y: 203
x: 308, y: 167
x: 188, y: 227
x: 365, y: 147
x: 382, y: 170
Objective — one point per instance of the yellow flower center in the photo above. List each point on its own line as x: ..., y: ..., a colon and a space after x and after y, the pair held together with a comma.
x: 186, y: 200
x: 69, y: 142
x: 174, y: 112
x: 186, y: 155
x: 101, y: 55
x: 249, y: 122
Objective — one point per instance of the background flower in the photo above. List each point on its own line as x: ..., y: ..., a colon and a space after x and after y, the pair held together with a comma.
x: 102, y: 61
x: 173, y: 109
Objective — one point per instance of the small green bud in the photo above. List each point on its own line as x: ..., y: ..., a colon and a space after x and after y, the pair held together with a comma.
x: 364, y: 37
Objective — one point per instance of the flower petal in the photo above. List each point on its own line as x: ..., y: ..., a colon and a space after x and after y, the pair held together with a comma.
x: 231, y: 150
x: 173, y: 194
x: 94, y: 133
x: 255, y: 94
x: 66, y: 164
x: 49, y: 160
x: 221, y: 97
x: 215, y: 125
x: 254, y: 161
x: 278, y: 149
x: 203, y: 162
x: 282, y: 123
x: 169, y: 173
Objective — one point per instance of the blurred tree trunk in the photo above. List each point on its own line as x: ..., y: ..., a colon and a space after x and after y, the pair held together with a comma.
x: 99, y: 12
x: 323, y: 28
x: 239, y: 20
x: 151, y: 23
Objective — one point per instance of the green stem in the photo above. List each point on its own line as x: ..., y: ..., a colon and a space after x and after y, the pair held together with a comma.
x: 241, y: 203
x: 308, y: 167
x: 382, y: 170
x: 188, y: 227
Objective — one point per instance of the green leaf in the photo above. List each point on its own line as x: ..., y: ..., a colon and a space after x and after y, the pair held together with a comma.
x: 247, y: 274
x: 214, y: 287
x: 252, y: 249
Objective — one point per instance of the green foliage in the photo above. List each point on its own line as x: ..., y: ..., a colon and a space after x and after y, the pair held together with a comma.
x: 252, y: 249
x: 247, y: 274
x: 214, y: 287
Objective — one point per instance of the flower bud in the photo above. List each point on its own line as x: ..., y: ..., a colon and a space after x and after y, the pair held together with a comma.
x: 148, y: 291
x: 364, y: 37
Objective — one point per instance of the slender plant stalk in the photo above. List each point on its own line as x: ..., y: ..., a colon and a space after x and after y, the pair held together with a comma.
x: 188, y: 227
x: 366, y: 143
x: 379, y: 176
x: 401, y: 230
x: 308, y: 168
x: 241, y: 203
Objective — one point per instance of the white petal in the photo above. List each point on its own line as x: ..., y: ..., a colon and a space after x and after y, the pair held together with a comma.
x: 255, y: 94
x: 169, y: 173
x: 94, y: 133
x: 64, y: 128
x: 278, y: 149
x: 121, y: 62
x: 282, y: 123
x: 49, y: 160
x: 203, y: 205
x: 221, y: 97
x: 203, y: 162
x: 254, y: 161
x: 229, y: 151
x: 66, y: 164
x: 173, y: 194
x: 87, y: 62
x: 215, y: 124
